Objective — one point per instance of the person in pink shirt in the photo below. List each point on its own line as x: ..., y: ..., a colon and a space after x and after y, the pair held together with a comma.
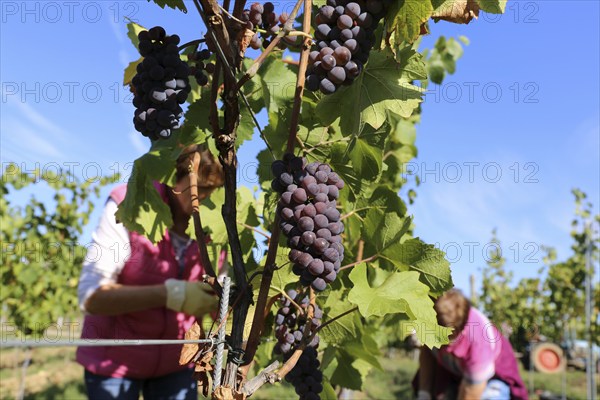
x: 130, y: 288
x: 479, y: 362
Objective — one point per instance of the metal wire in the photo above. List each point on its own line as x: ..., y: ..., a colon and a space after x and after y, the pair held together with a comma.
x: 97, y: 342
x: 221, y: 333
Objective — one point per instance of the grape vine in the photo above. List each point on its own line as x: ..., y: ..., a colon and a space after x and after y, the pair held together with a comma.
x: 363, y: 138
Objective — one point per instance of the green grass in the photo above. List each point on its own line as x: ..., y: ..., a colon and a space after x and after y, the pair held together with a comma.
x: 53, y: 374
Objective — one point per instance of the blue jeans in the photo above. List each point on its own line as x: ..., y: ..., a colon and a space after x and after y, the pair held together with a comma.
x: 496, y: 390
x: 176, y: 386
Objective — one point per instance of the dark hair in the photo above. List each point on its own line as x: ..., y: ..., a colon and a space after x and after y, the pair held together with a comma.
x: 452, y: 310
x: 210, y: 171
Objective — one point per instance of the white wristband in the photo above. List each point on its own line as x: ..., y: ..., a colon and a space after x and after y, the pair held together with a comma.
x: 175, y: 294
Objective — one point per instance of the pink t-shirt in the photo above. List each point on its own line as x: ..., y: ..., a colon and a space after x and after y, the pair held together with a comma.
x: 472, y: 356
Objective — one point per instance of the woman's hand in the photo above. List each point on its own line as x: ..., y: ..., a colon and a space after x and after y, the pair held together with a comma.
x: 192, y: 298
x: 468, y: 391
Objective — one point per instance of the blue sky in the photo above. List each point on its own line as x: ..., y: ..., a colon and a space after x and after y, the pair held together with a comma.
x: 501, y: 144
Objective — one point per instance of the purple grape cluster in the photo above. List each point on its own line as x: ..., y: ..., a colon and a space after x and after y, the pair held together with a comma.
x: 289, y: 330
x: 290, y: 324
x: 306, y: 377
x: 345, y: 34
x: 310, y: 219
x: 201, y: 68
x: 160, y: 85
x: 263, y: 17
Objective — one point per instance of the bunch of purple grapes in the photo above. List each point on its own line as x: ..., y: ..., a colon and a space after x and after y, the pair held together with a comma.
x: 310, y: 219
x: 263, y: 17
x: 161, y: 84
x: 289, y: 331
x: 201, y: 68
x: 345, y: 34
x: 290, y: 323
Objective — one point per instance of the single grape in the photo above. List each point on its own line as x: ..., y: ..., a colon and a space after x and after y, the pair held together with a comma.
x: 257, y: 7
x: 333, y: 192
x: 365, y: 20
x: 308, y: 238
x: 320, y: 221
x: 326, y: 14
x: 299, y: 195
x: 352, y: 45
x: 327, y: 62
x: 309, y: 211
x: 306, y: 224
x: 345, y: 22
x: 313, y: 82
x: 330, y: 277
x: 320, y: 245
x: 352, y: 10
x: 335, y: 228
x: 319, y: 285
x: 346, y: 34
x: 327, y: 87
x: 337, y: 75
x: 322, y: 31
x: 316, y: 267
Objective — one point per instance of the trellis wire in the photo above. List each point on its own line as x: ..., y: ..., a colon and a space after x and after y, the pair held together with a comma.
x: 99, y: 342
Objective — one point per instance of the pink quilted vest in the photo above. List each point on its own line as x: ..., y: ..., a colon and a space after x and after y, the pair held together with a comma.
x: 148, y: 265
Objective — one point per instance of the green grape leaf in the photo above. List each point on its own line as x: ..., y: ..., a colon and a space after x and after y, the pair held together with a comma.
x: 143, y: 210
x: 366, y: 151
x: 212, y: 220
x: 349, y: 372
x: 196, y: 126
x: 493, y: 6
x: 278, y: 83
x: 457, y: 11
x: 384, y: 229
x: 174, y: 4
x: 131, y: 71
x: 400, y: 293
x: 283, y: 275
x: 133, y: 29
x: 429, y: 262
x: 405, y: 17
x: 343, y: 329
x: 382, y: 87
x: 245, y: 129
x: 328, y: 392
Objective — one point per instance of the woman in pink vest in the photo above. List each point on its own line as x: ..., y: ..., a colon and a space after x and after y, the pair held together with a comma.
x: 478, y: 364
x: 132, y: 289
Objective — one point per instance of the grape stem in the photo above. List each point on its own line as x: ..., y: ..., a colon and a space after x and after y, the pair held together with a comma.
x: 263, y: 294
x: 366, y: 260
x: 254, y: 230
x: 231, y: 16
x: 191, y: 43
x: 351, y: 213
x: 284, y: 294
x: 329, y: 321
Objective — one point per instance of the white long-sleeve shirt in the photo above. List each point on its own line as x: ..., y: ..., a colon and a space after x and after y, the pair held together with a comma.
x: 106, y: 255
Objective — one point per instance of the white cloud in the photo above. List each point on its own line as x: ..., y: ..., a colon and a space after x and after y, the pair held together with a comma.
x: 41, y: 122
x: 30, y: 141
